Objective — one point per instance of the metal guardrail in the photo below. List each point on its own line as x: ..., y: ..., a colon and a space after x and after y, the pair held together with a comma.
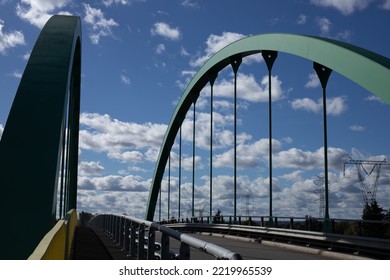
x: 377, y: 248
x: 138, y: 237
x: 308, y: 223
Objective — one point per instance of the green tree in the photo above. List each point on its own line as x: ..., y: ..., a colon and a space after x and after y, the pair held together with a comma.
x: 218, y: 218
x: 387, y: 215
x: 373, y: 212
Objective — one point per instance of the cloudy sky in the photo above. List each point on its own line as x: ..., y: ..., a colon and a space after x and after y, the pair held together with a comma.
x: 138, y: 57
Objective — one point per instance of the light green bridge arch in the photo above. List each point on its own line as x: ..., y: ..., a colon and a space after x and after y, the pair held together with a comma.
x: 366, y: 68
x: 34, y: 145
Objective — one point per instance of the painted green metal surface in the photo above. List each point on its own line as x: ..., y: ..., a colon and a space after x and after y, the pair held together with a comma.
x: 33, y: 138
x: 368, y: 69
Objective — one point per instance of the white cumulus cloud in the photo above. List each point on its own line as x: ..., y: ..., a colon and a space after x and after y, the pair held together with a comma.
x: 9, y: 39
x: 302, y: 19
x: 386, y: 5
x: 124, y: 79
x: 190, y: 4
x: 357, y: 128
x: 165, y: 30
x: 114, y: 183
x: 335, y: 106
x: 99, y: 25
x: 160, y: 49
x: 346, y: 7
x: 215, y: 43
x: 313, y: 81
x: 123, y: 141
x: 325, y: 25
x: 297, y: 158
x: 249, y: 89
x: 108, y: 3
x: 248, y: 155
x: 90, y: 168
x: 38, y: 12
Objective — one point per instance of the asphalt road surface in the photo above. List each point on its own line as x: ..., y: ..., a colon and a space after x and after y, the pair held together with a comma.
x: 259, y: 251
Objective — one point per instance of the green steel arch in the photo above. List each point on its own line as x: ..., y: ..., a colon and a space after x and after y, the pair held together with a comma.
x: 366, y: 68
x: 34, y: 140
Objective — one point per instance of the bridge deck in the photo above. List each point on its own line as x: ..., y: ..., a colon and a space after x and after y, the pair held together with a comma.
x: 92, y: 244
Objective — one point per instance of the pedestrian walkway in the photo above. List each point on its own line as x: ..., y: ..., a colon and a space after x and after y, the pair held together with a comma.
x: 91, y: 244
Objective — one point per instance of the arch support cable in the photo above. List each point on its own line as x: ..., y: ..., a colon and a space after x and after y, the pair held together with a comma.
x: 368, y: 69
x: 323, y: 74
x: 269, y: 58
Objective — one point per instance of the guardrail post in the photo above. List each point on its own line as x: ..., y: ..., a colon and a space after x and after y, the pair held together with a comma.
x: 107, y: 223
x: 121, y: 231
x: 164, y: 247
x: 151, y: 243
x: 126, y: 235
x: 112, y: 222
x: 184, y: 251
x: 108, y: 229
x: 291, y: 223
x: 132, y: 244
x: 276, y: 221
x: 118, y: 230
x: 262, y: 221
x: 141, y: 242
x: 332, y: 225
x: 112, y: 226
x: 115, y: 229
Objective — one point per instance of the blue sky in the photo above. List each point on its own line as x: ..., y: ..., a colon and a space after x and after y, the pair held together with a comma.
x: 139, y: 55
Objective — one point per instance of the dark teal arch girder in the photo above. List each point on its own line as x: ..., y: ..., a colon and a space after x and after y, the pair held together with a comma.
x: 368, y: 69
x: 33, y: 140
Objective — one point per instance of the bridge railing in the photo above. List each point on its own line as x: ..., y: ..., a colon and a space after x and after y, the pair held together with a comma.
x: 57, y: 243
x: 372, y: 228
x: 138, y: 237
x: 377, y: 248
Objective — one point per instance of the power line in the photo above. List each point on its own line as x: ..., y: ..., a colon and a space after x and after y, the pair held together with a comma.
x: 248, y: 206
x: 366, y: 168
x: 319, y: 182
